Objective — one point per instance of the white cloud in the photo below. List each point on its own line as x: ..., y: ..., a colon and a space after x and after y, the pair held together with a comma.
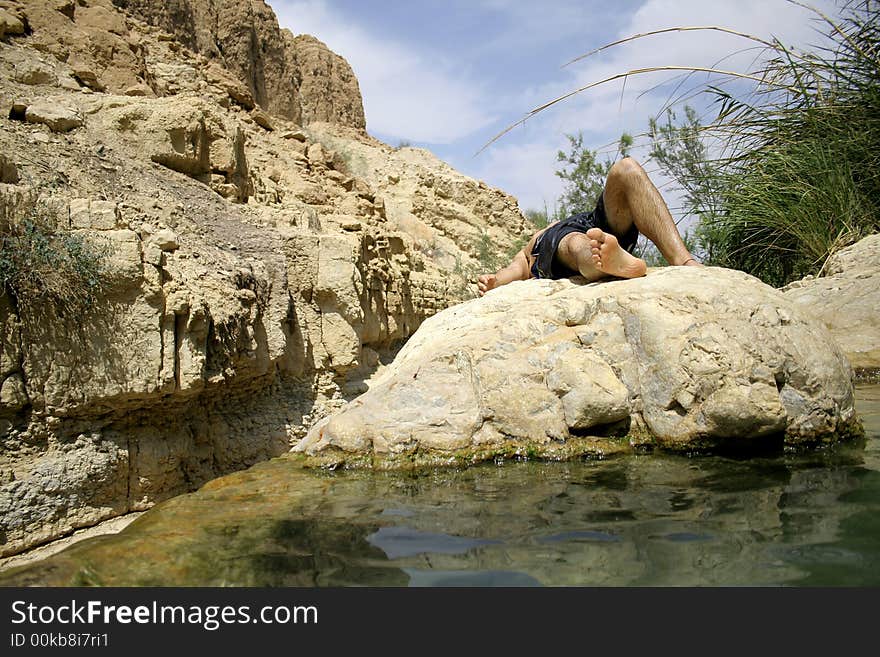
x: 527, y: 167
x: 563, y: 25
x: 705, y: 48
x: 457, y: 93
x: 603, y: 112
x: 406, y: 94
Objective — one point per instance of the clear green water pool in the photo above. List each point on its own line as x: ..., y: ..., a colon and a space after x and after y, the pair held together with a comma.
x: 783, y: 519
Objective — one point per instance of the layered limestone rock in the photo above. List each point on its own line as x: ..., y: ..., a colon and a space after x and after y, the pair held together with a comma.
x: 298, y: 78
x: 235, y: 49
x: 87, y: 44
x: 684, y: 358
x: 432, y: 203
x: 327, y: 86
x: 255, y: 276
x: 847, y: 301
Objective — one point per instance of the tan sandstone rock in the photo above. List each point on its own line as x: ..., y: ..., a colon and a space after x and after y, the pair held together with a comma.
x: 10, y: 24
x: 58, y: 115
x: 91, y: 37
x: 35, y: 72
x: 297, y: 78
x: 847, y: 301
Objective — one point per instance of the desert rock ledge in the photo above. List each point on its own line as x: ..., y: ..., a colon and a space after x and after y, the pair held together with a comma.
x: 684, y: 359
x: 847, y: 301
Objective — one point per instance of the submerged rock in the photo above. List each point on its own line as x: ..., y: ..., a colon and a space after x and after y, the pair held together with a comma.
x: 685, y: 358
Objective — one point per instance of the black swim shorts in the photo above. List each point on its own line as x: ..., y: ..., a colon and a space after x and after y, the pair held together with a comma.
x: 547, y: 265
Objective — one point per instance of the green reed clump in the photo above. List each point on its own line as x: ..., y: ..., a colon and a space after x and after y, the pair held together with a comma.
x: 41, y: 264
x: 798, y: 177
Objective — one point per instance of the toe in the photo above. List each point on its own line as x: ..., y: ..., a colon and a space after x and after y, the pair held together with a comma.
x: 596, y: 234
x: 610, y: 241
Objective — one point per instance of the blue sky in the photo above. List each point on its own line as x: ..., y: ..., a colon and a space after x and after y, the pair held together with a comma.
x: 448, y: 76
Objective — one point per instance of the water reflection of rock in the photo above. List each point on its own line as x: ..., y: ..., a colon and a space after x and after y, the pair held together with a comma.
x: 644, y: 521
x: 261, y: 527
x: 650, y: 520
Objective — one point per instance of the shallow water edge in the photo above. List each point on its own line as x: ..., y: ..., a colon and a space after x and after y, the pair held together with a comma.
x: 788, y: 518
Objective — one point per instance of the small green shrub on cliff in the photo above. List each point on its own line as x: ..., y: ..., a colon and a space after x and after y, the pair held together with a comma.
x: 539, y: 218
x: 40, y: 264
x: 486, y: 254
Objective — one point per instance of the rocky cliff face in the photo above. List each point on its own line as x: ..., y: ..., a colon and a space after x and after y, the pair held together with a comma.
x: 298, y: 78
x: 265, y: 255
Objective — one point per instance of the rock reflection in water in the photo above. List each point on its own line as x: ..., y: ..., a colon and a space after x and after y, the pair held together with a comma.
x: 639, y: 520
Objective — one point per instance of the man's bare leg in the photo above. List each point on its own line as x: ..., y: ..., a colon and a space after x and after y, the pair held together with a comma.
x: 631, y: 198
x: 517, y: 270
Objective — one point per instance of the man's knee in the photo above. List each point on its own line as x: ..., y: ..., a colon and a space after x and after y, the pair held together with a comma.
x: 572, y: 247
x: 625, y: 171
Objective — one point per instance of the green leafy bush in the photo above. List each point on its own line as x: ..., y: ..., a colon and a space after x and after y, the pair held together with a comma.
x: 584, y: 175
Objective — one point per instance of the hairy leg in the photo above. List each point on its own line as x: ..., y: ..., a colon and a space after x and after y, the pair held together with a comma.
x: 631, y: 198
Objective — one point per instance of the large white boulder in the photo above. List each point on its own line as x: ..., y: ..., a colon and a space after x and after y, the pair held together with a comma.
x: 685, y: 358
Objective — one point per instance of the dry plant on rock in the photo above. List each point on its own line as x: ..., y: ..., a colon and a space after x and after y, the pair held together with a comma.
x: 41, y: 265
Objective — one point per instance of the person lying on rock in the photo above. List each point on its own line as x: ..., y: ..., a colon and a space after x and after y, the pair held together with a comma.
x: 600, y: 243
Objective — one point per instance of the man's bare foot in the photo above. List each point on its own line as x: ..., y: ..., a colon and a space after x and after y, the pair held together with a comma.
x: 611, y: 259
x: 691, y: 262
x: 486, y: 282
